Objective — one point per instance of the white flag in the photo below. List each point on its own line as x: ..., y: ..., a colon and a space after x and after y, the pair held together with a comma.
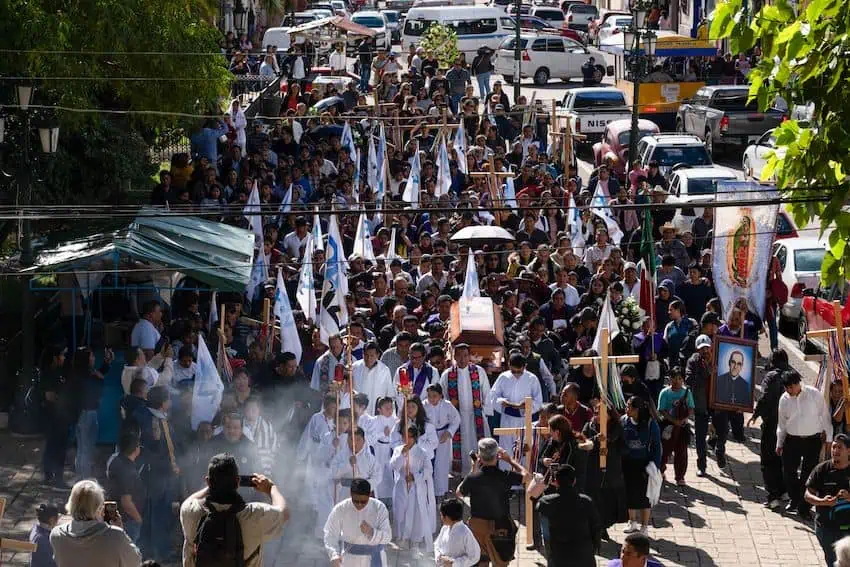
x: 255, y: 220
x: 411, y: 188
x: 444, y: 175
x: 333, y: 314
x: 213, y: 317
x: 599, y: 207
x: 285, y: 206
x: 347, y: 141
x: 374, y: 168
x: 306, y: 295
x: 206, y: 395
x: 363, y: 240
x: 460, y: 148
x: 289, y: 339
x: 259, y: 275
x: 510, y: 193
x: 574, y: 223
x: 471, y: 287
x: 318, y: 239
x: 391, y: 248
x: 607, y: 320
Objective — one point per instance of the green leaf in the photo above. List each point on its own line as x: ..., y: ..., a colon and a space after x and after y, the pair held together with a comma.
x: 788, y: 32
x: 769, y: 168
x: 837, y: 244
x: 829, y: 268
x: 722, y: 23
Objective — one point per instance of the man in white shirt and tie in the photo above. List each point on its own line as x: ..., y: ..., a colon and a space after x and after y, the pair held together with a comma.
x: 804, y: 426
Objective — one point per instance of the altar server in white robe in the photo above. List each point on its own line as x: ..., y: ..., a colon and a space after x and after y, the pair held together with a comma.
x: 357, y: 462
x: 326, y: 489
x: 508, y: 397
x: 383, y: 425
x: 455, y: 546
x: 465, y: 396
x: 320, y: 423
x: 417, y: 416
x: 358, y: 529
x: 446, y: 420
x: 413, y: 495
x: 372, y: 377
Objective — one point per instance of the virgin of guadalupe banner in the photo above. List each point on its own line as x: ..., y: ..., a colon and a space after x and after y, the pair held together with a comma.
x: 743, y: 239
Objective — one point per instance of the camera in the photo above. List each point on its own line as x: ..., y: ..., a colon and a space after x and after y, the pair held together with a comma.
x: 246, y: 480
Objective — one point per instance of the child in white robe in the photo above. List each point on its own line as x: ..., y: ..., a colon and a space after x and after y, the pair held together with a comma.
x: 382, y: 428
x: 319, y: 425
x: 446, y: 420
x: 413, y: 494
x: 326, y: 489
x: 455, y: 545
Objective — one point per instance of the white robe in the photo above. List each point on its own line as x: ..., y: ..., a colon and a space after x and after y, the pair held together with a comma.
x: 428, y: 440
x: 446, y: 419
x: 515, y: 390
x: 423, y: 395
x: 326, y: 491
x: 375, y: 382
x: 468, y: 438
x: 367, y: 468
x: 383, y: 452
x: 308, y: 449
x: 457, y: 543
x: 414, y: 506
x: 343, y: 526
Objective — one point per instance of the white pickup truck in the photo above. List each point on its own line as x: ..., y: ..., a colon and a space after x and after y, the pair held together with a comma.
x: 590, y: 109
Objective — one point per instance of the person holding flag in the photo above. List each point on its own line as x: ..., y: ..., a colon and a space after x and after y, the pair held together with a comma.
x: 289, y: 339
x: 333, y: 313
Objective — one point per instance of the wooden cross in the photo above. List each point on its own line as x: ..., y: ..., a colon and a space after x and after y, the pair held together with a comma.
x: 13, y: 545
x: 528, y: 430
x: 839, y: 329
x: 603, y: 407
x: 495, y: 185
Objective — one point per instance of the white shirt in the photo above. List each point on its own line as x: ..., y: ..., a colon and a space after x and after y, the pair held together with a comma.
x: 260, y: 522
x: 571, y: 296
x: 367, y: 466
x: 457, y: 543
x: 292, y: 244
x: 596, y: 254
x: 337, y: 61
x: 803, y: 415
x: 509, y: 388
x: 144, y: 335
x: 298, y: 68
x: 375, y: 382
x: 343, y: 526
x: 632, y: 290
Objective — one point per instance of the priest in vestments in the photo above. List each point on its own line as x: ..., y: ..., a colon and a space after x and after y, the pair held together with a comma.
x: 508, y: 397
x: 467, y: 387
x: 420, y: 373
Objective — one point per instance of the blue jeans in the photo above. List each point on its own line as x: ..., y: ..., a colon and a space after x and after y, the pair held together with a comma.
x: 158, y: 522
x: 483, y: 86
x: 454, y: 100
x: 132, y: 528
x: 87, y: 430
x: 827, y: 536
x: 365, y: 71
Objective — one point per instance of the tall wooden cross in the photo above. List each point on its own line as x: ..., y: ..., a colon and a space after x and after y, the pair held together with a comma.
x: 528, y: 431
x: 495, y: 179
x: 605, y: 359
x: 839, y: 330
x: 13, y: 545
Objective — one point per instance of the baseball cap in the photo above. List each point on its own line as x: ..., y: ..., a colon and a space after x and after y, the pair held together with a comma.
x: 703, y: 341
x: 629, y: 266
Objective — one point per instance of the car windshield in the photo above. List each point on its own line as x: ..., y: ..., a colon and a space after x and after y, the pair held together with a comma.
x: 690, y: 155
x: 734, y: 100
x: 624, y: 137
x: 808, y: 260
x: 511, y: 44
x: 391, y: 16
x: 704, y: 186
x: 599, y: 100
x: 369, y: 21
x: 416, y: 28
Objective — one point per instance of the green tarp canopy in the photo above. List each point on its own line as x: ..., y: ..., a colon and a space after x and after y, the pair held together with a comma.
x: 216, y: 254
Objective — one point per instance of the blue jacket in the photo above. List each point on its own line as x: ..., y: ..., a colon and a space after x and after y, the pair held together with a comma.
x: 642, y: 443
x: 205, y: 143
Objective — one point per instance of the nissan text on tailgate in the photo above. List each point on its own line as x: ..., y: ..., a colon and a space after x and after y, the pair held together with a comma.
x: 722, y: 117
x: 590, y: 109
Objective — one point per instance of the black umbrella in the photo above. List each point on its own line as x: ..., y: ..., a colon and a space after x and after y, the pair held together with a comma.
x: 327, y: 103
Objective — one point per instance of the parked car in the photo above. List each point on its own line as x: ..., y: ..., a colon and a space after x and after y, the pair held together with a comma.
x: 579, y: 16
x: 538, y: 25
x: 818, y: 314
x: 377, y: 22
x: 340, y: 8
x: 616, y: 139
x: 290, y: 21
x: 591, y: 109
x: 393, y: 24
x: 612, y: 23
x: 551, y: 14
x: 693, y: 186
x: 756, y: 154
x: 672, y: 149
x: 543, y: 58
x: 800, y: 261
x: 722, y: 116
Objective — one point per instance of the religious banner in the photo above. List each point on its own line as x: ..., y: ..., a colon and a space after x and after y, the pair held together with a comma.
x: 743, y: 239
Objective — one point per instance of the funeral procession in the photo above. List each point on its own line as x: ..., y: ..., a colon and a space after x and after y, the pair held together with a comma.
x: 420, y: 283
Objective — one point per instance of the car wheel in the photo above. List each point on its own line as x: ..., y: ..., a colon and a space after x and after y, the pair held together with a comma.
x: 509, y: 79
x: 541, y: 76
x: 806, y: 346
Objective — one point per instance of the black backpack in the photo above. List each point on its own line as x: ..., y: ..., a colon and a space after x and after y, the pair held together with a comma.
x: 218, y: 541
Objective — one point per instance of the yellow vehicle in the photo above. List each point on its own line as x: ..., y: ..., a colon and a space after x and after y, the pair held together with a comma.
x: 663, y: 88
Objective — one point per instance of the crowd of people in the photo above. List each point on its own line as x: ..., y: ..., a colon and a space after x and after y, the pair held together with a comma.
x: 372, y: 427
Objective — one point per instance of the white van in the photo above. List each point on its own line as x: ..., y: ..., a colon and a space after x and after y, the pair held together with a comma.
x: 476, y: 26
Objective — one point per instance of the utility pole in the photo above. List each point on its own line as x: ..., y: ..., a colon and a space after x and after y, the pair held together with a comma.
x: 517, y: 51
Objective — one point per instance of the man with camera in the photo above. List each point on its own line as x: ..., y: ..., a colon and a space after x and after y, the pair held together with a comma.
x: 489, y: 490
x: 210, y: 517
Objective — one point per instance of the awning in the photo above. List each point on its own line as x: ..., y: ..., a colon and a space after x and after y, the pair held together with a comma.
x: 340, y: 22
x: 216, y: 254
x: 668, y: 44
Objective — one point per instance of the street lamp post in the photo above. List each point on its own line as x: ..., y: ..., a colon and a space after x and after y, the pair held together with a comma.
x: 634, y: 41
x: 48, y: 132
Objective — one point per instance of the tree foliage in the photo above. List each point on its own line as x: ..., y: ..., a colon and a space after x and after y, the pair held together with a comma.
x: 805, y: 60
x: 442, y: 42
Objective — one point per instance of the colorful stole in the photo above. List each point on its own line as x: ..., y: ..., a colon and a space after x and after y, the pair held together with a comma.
x: 477, y: 411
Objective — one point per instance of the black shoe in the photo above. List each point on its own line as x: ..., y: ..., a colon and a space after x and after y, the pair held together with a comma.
x: 61, y: 484
x: 49, y: 479
x: 604, y: 535
x: 700, y: 473
x: 740, y: 439
x: 712, y: 442
x: 721, y: 461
